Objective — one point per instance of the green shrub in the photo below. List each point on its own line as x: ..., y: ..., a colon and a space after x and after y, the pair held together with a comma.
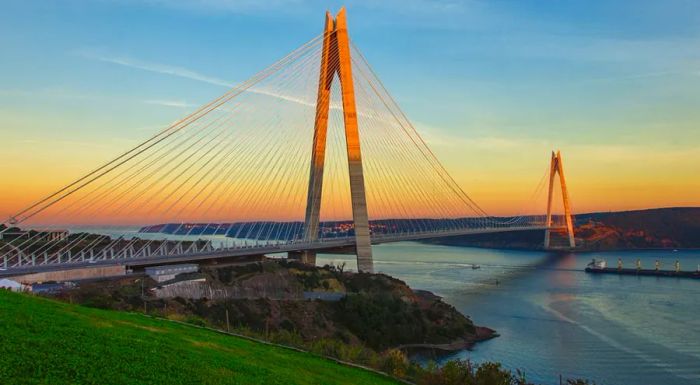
x: 194, y: 320
x: 395, y: 363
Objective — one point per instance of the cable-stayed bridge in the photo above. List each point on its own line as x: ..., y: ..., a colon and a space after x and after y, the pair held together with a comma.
x: 312, y: 154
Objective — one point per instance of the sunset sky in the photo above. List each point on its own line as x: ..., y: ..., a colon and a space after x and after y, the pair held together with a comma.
x: 493, y: 86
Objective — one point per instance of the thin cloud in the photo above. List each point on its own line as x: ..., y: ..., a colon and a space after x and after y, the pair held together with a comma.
x: 439, y: 137
x: 641, y: 76
x: 182, y: 72
x: 50, y: 92
x: 234, y: 6
x: 157, y: 68
x: 194, y: 75
x: 170, y: 103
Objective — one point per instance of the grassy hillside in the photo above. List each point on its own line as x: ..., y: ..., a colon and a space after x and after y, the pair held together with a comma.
x: 45, y: 341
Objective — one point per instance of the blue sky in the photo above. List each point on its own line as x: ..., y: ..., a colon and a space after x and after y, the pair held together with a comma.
x: 493, y: 85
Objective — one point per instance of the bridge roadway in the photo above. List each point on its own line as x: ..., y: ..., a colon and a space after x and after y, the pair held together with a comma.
x: 233, y: 252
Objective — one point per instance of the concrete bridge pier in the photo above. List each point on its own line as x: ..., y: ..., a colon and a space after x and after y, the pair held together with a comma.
x: 306, y: 256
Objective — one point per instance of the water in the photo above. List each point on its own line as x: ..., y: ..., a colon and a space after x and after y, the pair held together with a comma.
x: 554, y: 318
x: 129, y: 232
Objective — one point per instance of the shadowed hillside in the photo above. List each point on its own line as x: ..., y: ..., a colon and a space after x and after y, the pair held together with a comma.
x: 677, y: 227
x: 271, y: 298
x: 672, y: 228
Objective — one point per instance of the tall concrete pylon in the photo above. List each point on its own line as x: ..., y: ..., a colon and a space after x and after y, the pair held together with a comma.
x: 335, y: 58
x: 556, y: 167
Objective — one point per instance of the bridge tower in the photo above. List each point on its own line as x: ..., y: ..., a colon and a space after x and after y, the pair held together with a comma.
x: 335, y: 58
x: 556, y: 167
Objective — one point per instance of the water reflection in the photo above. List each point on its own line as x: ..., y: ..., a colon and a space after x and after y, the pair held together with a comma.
x: 554, y: 318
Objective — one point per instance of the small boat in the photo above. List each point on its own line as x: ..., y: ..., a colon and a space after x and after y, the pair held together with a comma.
x: 474, y: 267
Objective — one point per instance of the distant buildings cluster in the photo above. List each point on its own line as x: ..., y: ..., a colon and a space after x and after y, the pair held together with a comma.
x: 347, y: 229
x: 48, y: 235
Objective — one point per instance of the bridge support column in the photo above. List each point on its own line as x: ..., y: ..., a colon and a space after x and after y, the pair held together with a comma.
x: 306, y: 256
x: 556, y: 167
x: 335, y: 58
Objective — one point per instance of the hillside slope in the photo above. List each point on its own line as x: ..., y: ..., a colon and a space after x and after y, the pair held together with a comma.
x: 674, y: 227
x: 371, y: 310
x: 670, y: 228
x: 45, y: 341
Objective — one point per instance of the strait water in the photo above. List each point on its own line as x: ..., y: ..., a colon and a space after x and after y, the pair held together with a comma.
x: 554, y: 318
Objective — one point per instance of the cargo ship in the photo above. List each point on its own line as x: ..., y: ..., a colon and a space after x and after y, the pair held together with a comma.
x: 600, y: 267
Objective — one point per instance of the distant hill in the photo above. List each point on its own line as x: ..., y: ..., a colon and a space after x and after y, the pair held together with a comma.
x: 45, y: 341
x: 672, y: 228
x: 676, y: 227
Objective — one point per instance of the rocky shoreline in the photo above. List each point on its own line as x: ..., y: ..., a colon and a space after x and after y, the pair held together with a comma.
x: 482, y: 334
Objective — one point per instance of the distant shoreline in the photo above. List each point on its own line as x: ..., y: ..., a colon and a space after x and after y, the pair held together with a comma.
x: 575, y: 251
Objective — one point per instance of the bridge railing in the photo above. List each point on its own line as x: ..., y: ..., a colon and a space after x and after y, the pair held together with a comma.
x: 178, y: 248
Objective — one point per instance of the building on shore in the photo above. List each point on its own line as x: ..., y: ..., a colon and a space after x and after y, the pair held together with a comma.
x: 168, y: 272
x: 8, y: 284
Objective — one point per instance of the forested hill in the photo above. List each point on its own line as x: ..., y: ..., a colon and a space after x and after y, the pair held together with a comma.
x: 676, y: 227
x: 673, y: 228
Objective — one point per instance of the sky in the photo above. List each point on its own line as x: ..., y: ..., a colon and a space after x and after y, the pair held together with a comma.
x: 493, y: 86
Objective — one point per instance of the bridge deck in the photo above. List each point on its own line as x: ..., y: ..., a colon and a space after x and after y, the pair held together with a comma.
x: 319, y: 246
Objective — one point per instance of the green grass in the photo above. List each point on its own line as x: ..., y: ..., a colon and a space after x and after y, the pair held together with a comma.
x: 48, y: 342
